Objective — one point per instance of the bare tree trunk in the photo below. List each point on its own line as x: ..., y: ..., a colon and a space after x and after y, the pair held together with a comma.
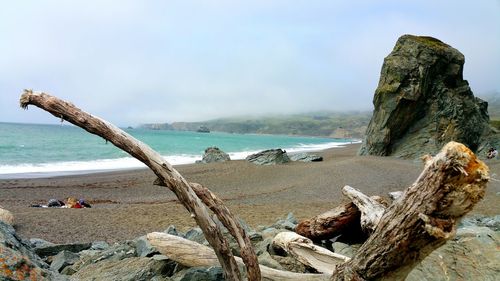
x: 422, y: 219
x: 165, y: 172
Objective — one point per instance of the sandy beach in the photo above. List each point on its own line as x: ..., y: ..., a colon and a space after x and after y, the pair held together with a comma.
x: 126, y: 204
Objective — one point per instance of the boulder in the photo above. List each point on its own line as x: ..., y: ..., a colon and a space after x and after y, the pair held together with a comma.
x: 117, y: 252
x: 269, y: 157
x: 214, y: 154
x: 18, y: 261
x: 143, y: 248
x: 128, y: 269
x: 6, y: 216
x: 306, y: 157
x: 422, y: 102
x: 201, y: 274
x: 46, y: 250
x: 63, y: 259
x: 472, y: 255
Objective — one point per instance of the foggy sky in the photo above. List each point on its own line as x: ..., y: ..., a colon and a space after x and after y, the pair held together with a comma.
x: 134, y: 62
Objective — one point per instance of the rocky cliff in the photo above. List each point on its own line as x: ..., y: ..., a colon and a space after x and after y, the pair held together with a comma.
x: 423, y: 102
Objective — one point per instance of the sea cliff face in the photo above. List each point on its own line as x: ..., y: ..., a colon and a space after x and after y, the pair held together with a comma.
x: 423, y: 102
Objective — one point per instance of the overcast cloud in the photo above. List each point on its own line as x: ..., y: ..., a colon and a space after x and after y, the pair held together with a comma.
x: 134, y: 62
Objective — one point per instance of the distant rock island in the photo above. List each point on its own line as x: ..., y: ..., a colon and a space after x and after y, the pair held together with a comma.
x: 422, y: 102
x: 203, y: 129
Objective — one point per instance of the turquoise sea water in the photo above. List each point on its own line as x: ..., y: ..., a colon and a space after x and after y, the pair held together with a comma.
x: 29, y: 150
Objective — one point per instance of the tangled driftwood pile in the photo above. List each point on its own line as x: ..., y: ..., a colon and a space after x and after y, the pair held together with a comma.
x: 399, y: 235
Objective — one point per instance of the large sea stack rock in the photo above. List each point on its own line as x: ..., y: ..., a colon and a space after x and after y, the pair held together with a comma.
x: 422, y: 102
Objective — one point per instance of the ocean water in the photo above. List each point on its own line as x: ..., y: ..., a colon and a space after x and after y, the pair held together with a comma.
x: 33, y: 150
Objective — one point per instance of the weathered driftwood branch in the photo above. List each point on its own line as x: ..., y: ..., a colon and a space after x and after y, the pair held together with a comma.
x: 192, y: 254
x: 343, y: 219
x: 371, y: 210
x: 303, y: 250
x: 422, y: 219
x: 165, y: 172
x: 217, y: 206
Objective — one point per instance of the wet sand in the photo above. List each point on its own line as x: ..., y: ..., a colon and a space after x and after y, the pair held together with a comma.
x: 126, y: 204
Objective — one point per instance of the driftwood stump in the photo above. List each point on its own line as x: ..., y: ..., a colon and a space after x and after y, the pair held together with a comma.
x: 423, y: 219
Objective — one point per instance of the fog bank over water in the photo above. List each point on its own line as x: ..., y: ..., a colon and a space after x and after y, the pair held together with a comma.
x: 134, y: 62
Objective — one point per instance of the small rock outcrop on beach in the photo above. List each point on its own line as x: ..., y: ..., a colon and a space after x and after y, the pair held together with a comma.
x: 214, y: 154
x: 306, y: 157
x: 269, y: 157
x: 422, y: 102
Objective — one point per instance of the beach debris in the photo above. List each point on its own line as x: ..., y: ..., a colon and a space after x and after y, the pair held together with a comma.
x: 6, y: 216
x: 214, y: 154
x: 305, y: 157
x: 269, y: 157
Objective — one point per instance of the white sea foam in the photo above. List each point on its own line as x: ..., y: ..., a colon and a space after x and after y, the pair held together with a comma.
x: 82, y: 167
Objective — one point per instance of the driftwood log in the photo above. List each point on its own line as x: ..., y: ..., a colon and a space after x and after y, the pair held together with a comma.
x: 371, y: 210
x: 304, y: 250
x: 423, y: 219
x: 167, y: 175
x: 343, y: 219
x: 192, y: 254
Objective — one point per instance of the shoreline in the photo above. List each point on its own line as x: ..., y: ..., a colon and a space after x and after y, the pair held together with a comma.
x: 130, y: 163
x: 126, y: 204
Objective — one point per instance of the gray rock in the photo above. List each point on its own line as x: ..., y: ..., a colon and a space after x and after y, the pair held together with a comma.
x: 128, y: 269
x: 263, y: 246
x: 196, y: 235
x: 305, y: 157
x: 422, y: 102
x: 214, y: 154
x: 478, y: 220
x: 18, y: 257
x: 472, y: 255
x: 289, y: 223
x: 290, y: 264
x: 99, y: 245
x: 343, y: 249
x: 115, y: 252
x: 37, y: 242
x: 269, y: 157
x: 63, y: 259
x: 172, y: 230
x: 52, y: 250
x: 143, y: 248
x: 266, y: 259
x: 203, y: 274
